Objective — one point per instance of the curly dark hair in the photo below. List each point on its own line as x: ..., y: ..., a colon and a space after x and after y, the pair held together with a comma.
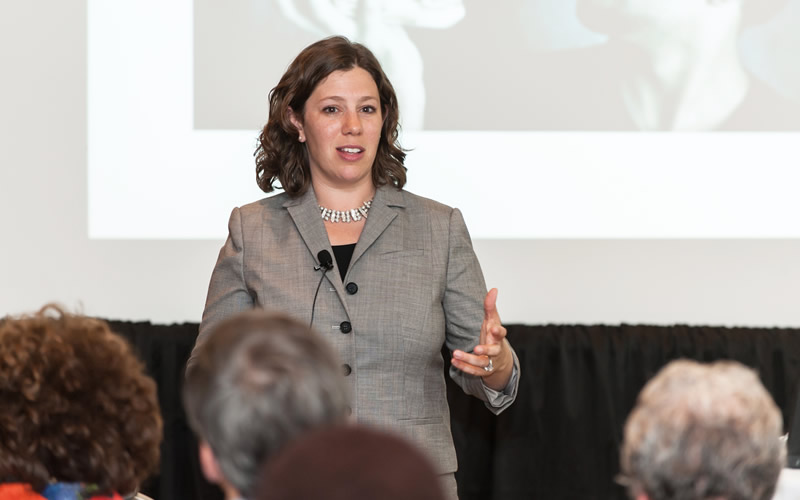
x: 76, y: 404
x: 281, y: 157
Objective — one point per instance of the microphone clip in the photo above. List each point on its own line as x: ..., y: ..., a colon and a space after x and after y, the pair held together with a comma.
x: 325, y: 261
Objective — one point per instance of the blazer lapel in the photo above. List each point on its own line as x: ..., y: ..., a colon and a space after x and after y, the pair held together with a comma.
x: 381, y: 214
x: 304, y: 211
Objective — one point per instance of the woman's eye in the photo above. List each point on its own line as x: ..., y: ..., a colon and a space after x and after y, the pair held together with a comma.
x: 368, y: 109
x: 329, y: 109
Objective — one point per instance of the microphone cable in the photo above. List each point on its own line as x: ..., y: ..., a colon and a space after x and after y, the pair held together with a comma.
x: 325, y: 264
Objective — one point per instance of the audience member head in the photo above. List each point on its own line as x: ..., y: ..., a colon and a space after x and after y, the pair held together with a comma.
x: 75, y: 404
x: 259, y: 380
x: 282, y: 157
x: 703, y: 431
x: 347, y: 463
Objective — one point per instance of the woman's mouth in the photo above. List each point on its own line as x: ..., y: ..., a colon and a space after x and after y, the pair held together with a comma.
x: 350, y: 152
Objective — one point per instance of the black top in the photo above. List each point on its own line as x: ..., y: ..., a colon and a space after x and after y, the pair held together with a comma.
x: 343, y: 254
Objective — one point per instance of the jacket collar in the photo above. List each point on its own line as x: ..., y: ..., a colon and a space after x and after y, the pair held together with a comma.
x: 304, y: 211
x: 385, y: 207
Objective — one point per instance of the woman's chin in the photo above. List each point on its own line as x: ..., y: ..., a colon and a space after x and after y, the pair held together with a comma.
x: 349, y: 177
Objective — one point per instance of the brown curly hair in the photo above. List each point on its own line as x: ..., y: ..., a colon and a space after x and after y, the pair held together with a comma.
x: 281, y: 157
x: 76, y: 404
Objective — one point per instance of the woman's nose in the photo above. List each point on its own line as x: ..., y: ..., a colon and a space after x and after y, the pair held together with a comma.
x: 352, y: 123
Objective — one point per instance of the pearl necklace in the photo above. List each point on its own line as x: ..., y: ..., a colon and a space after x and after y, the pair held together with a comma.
x: 353, y: 215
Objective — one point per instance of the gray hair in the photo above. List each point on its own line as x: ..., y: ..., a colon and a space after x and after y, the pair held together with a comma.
x: 703, y: 431
x: 258, y: 381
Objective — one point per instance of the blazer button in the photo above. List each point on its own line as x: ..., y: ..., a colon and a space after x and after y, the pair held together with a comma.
x: 351, y: 288
x: 347, y: 370
x: 345, y: 327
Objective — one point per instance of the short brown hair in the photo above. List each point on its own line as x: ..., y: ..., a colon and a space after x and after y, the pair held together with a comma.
x: 281, y: 157
x: 75, y: 404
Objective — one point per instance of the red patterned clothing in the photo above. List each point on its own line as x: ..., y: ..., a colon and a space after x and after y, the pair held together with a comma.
x: 18, y: 491
x: 55, y: 491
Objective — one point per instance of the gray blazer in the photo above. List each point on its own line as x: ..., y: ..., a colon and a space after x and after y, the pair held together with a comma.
x: 413, y: 284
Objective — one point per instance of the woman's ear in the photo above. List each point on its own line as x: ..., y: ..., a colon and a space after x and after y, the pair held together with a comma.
x: 297, y: 122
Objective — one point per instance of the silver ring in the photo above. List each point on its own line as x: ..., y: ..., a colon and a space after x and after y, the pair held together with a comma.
x: 489, y: 367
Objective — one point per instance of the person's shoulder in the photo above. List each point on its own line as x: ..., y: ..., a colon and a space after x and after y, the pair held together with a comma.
x: 264, y: 205
x: 267, y: 211
x: 416, y: 202
x: 19, y: 491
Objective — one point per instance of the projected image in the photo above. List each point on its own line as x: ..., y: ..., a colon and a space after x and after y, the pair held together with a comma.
x: 607, y: 65
x: 667, y: 65
x: 379, y: 24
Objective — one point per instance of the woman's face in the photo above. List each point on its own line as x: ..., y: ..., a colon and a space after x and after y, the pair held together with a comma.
x: 341, y: 125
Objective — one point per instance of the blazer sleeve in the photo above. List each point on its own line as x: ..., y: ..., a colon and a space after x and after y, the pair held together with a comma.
x: 463, y: 298
x: 227, y: 292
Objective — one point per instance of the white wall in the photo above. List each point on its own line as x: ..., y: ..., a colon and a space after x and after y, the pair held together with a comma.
x: 45, y: 254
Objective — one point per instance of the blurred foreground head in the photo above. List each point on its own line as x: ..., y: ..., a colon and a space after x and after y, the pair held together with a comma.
x: 258, y: 381
x: 75, y: 404
x: 703, y: 431
x: 349, y: 463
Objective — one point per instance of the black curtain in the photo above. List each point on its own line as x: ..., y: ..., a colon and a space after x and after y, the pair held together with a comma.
x: 164, y: 350
x: 559, y: 440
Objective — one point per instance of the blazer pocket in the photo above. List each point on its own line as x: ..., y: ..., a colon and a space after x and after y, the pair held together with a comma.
x: 405, y: 289
x: 421, y: 421
x: 399, y: 254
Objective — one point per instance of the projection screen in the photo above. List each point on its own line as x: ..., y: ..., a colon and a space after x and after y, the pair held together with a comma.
x: 528, y: 115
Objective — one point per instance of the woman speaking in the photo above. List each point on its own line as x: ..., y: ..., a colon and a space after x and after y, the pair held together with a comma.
x: 386, y: 276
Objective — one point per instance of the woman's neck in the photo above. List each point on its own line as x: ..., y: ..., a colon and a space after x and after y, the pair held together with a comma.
x: 348, y: 198
x: 343, y: 198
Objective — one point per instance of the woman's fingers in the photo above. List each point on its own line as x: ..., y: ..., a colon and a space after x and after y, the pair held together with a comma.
x: 488, y: 350
x: 473, y: 364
